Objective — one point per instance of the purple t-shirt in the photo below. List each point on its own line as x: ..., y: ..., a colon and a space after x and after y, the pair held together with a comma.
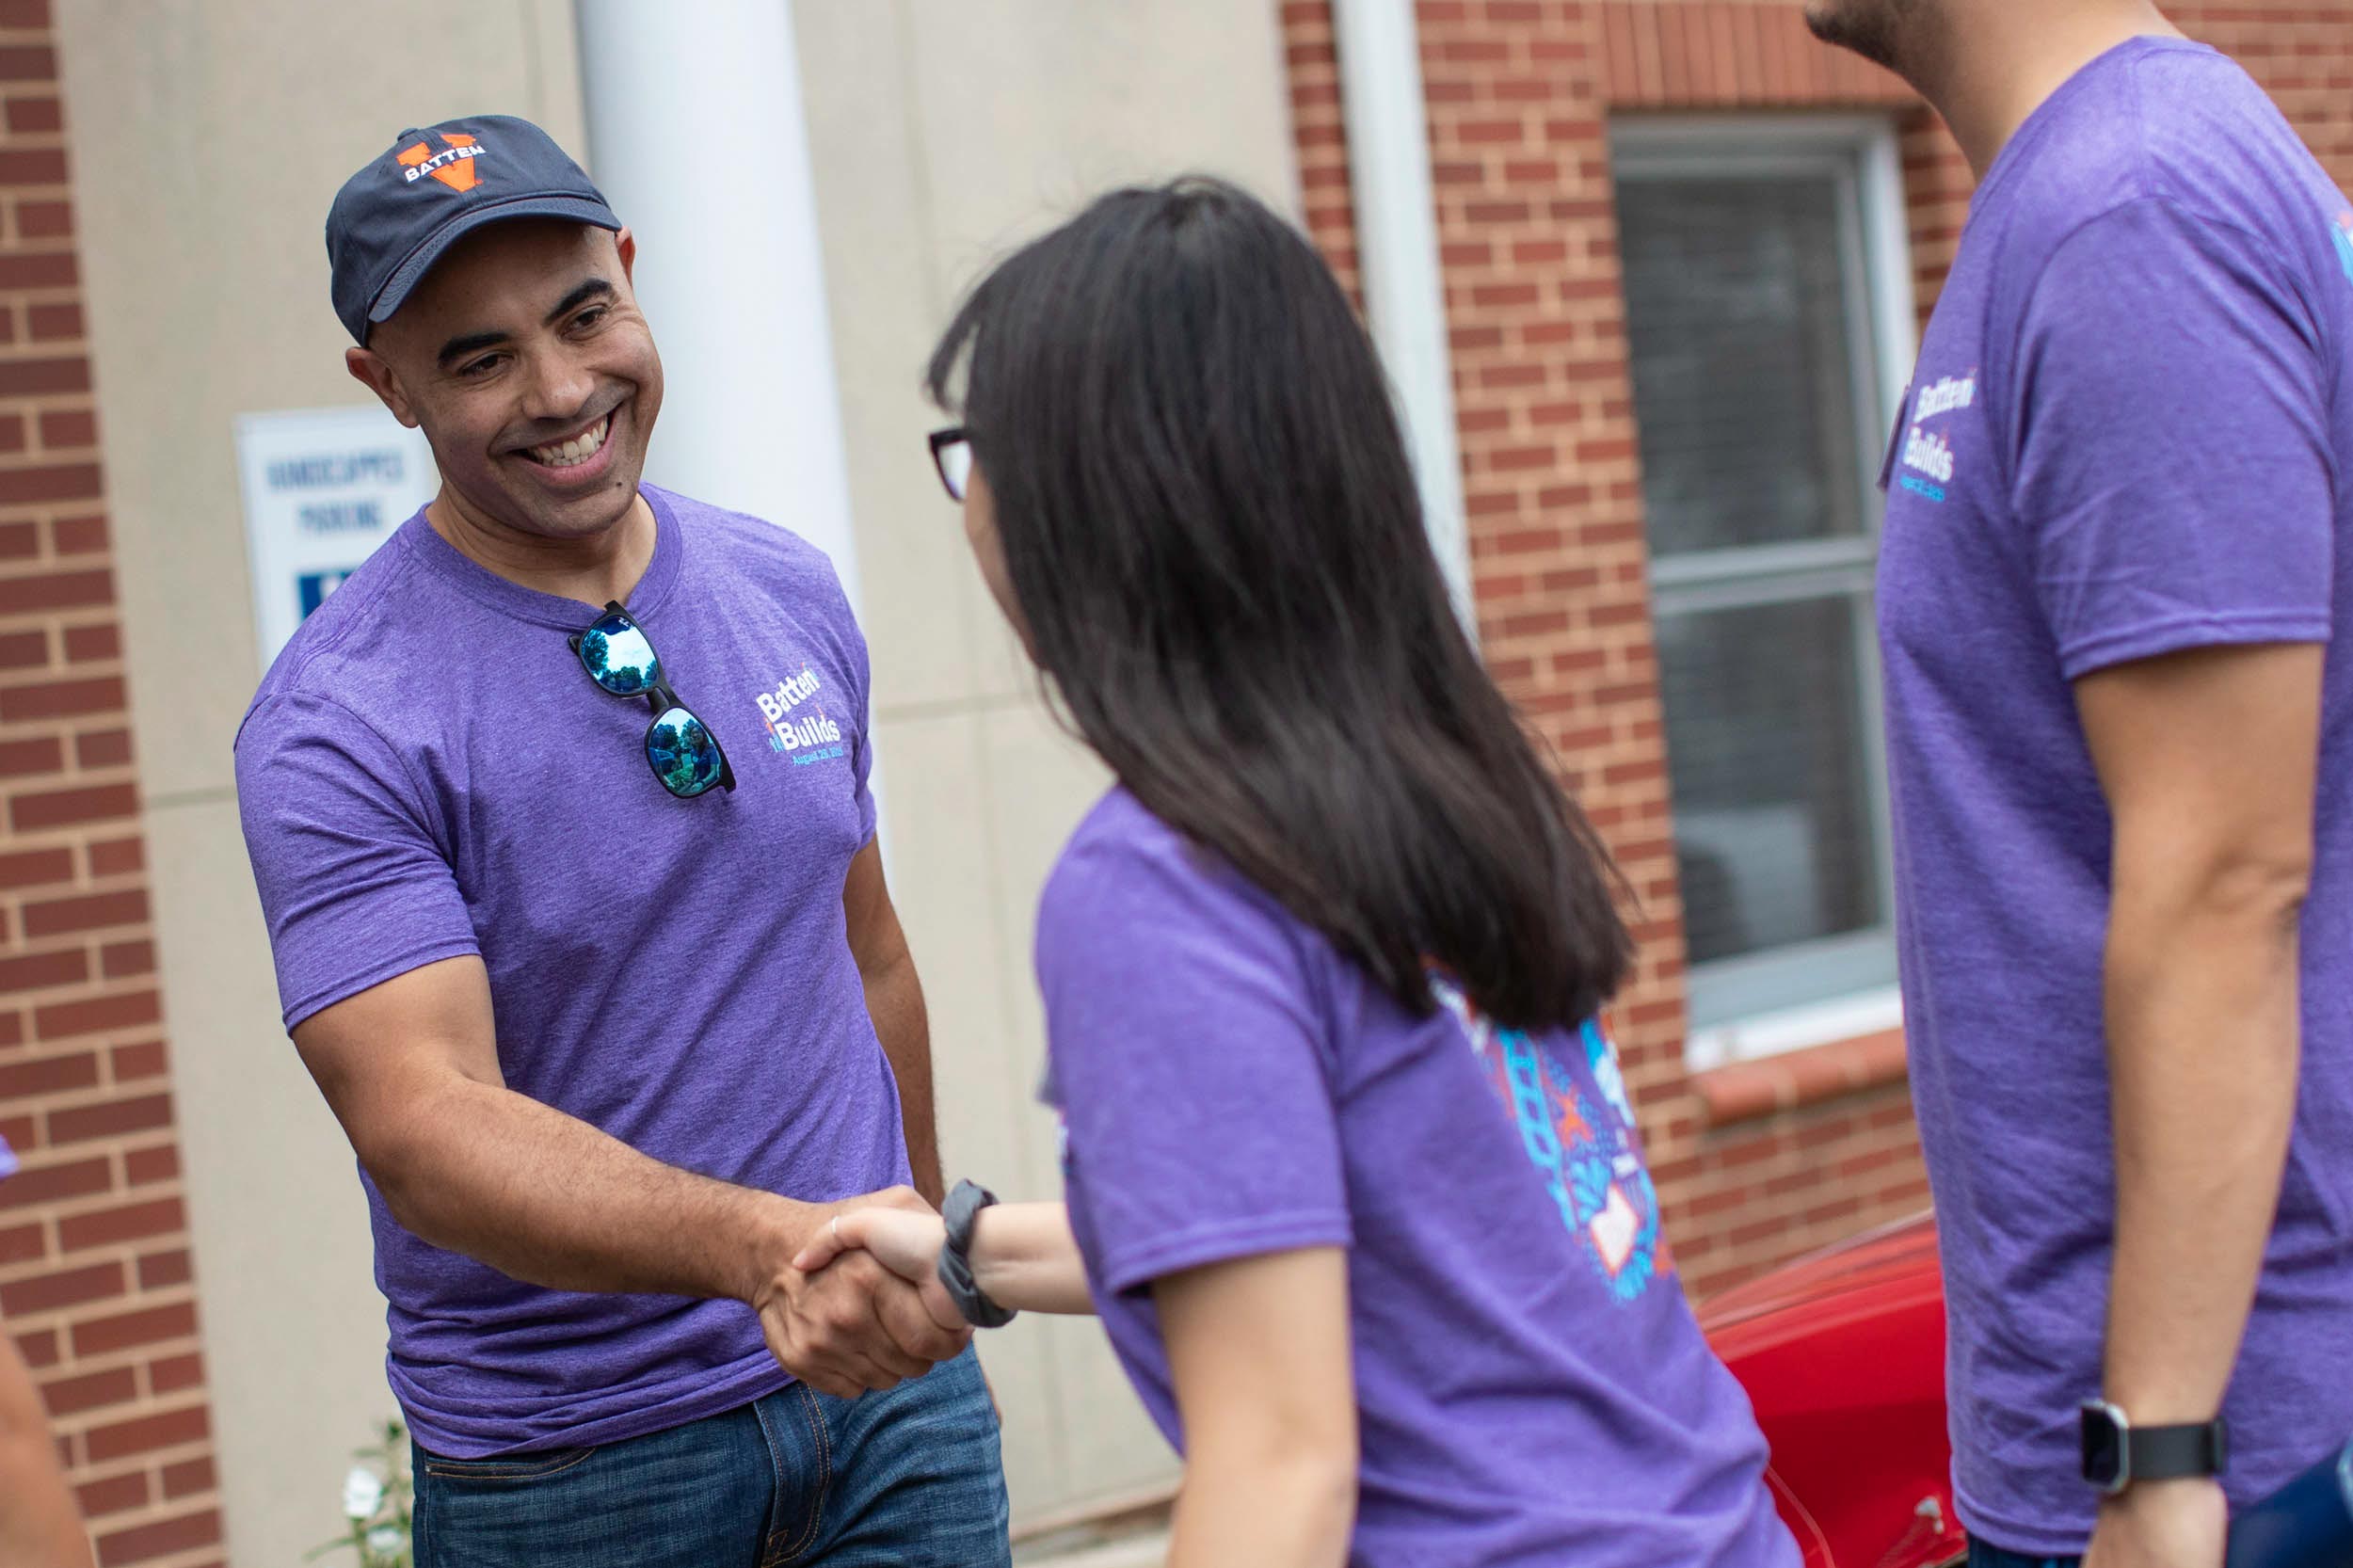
x: 1531, y: 1386
x: 428, y: 772
x: 2124, y: 439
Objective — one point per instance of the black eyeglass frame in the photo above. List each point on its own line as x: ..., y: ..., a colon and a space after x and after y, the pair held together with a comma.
x: 942, y: 439
x: 659, y: 695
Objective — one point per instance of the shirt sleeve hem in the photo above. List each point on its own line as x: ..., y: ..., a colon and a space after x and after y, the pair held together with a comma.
x: 344, y: 989
x: 1139, y: 1266
x: 2178, y: 633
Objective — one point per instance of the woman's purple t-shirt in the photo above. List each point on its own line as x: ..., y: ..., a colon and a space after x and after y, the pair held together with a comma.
x: 1531, y: 1387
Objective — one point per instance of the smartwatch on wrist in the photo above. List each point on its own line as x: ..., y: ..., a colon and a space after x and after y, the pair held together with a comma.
x: 2117, y: 1453
x: 956, y: 1217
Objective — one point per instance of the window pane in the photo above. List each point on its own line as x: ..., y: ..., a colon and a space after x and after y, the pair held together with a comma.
x: 1774, y: 840
x: 1744, y: 371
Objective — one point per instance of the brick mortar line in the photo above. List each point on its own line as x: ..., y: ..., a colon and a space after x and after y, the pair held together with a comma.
x: 84, y: 1205
x: 52, y: 1217
x: 141, y: 1140
x: 185, y: 1506
x: 64, y: 1319
x: 130, y: 1251
x: 79, y: 886
x: 95, y: 1097
x: 142, y: 1368
x: 135, y: 1359
x: 75, y: 775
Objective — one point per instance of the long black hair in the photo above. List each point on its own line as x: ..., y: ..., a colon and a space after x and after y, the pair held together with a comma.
x: 1211, y: 528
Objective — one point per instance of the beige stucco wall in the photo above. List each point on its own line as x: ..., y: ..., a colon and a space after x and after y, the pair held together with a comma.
x: 207, y: 137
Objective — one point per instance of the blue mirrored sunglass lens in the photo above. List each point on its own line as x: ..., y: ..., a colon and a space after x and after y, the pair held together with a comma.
x: 619, y: 658
x: 683, y: 753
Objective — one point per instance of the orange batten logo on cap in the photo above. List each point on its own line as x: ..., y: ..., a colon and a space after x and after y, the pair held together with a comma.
x: 454, y: 167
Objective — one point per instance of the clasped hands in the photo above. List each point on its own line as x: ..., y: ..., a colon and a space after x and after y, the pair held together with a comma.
x: 860, y: 1305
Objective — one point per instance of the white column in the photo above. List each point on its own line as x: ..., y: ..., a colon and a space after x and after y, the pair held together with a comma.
x: 696, y: 137
x: 1397, y: 249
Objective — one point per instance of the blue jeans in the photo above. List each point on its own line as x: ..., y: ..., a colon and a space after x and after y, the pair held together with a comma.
x: 1980, y: 1556
x: 908, y: 1478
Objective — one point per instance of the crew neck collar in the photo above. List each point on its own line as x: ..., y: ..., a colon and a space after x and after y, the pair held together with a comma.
x: 485, y: 586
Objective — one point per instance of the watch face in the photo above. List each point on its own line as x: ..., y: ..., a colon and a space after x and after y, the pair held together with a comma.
x: 2103, y: 1448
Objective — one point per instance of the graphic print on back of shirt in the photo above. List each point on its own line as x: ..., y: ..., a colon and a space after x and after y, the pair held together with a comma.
x: 1583, y: 1147
x: 797, y: 724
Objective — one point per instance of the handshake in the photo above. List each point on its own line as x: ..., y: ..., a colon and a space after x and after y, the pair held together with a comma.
x: 860, y: 1305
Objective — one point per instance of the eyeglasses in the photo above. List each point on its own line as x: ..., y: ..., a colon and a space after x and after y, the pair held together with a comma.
x: 679, y: 747
x: 952, y: 454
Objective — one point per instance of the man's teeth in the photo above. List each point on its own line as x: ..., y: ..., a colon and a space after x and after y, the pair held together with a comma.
x: 579, y: 449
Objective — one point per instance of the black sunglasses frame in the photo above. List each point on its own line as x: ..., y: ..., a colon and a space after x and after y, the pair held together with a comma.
x: 660, y: 695
x: 942, y: 439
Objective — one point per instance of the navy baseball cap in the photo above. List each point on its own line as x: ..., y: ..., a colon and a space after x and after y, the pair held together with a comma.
x: 394, y: 218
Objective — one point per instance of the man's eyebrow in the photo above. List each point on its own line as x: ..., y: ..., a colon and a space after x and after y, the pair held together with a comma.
x: 593, y: 288
x: 457, y: 348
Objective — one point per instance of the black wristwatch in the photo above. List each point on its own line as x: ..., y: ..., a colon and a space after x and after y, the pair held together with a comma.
x: 2118, y: 1453
x: 957, y: 1215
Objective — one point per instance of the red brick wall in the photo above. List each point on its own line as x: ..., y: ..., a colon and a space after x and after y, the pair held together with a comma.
x: 1518, y: 94
x: 95, y: 1275
x: 1758, y: 1163
x: 1320, y: 137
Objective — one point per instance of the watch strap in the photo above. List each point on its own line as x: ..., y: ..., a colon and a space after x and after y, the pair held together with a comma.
x: 957, y: 1217
x: 2173, y: 1453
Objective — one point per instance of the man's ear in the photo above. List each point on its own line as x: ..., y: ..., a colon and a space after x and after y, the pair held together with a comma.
x: 626, y: 243
x: 371, y: 370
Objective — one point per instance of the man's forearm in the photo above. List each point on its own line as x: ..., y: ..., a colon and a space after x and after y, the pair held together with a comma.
x: 2202, y: 1051
x: 894, y: 999
x: 550, y: 1200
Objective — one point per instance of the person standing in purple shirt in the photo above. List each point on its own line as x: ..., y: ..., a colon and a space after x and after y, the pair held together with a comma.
x: 2119, y: 725
x: 580, y: 924
x: 1351, y: 1173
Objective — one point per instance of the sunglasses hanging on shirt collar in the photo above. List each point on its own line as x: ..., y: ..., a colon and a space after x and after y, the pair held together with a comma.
x: 682, y: 750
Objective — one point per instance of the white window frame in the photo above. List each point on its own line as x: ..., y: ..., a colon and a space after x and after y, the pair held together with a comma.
x: 1810, y: 993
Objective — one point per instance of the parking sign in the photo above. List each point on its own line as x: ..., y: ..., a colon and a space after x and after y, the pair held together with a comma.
x: 323, y: 488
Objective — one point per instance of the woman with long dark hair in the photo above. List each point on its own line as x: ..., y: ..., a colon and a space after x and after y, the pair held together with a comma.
x: 1350, y: 1170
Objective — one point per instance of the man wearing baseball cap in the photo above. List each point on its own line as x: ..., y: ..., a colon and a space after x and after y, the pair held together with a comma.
x: 559, y: 815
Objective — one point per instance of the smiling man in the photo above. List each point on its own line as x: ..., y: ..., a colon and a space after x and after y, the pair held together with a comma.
x: 588, y: 944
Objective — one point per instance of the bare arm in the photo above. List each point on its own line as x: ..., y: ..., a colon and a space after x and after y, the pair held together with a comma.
x: 1024, y: 1257
x: 410, y: 1068
x: 39, y: 1526
x: 2208, y: 759
x: 894, y: 999
x: 1258, y: 1351
x: 1023, y: 1254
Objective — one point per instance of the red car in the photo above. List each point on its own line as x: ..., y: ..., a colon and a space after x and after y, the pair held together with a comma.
x: 1862, y: 1466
